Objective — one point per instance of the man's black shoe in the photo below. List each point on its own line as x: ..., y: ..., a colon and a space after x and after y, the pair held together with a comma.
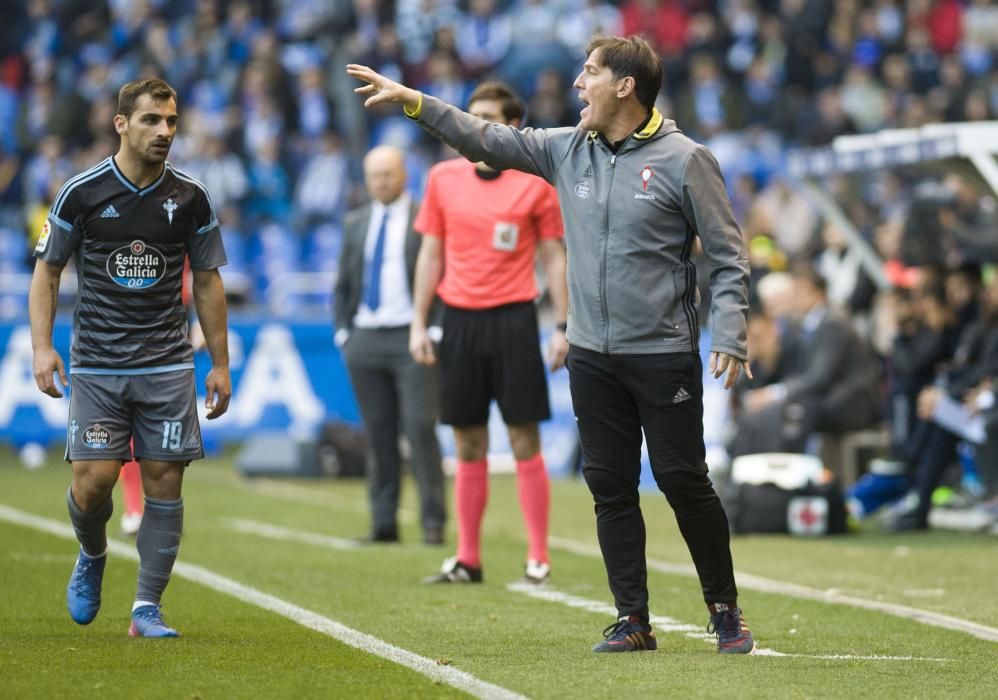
x: 378, y: 538
x: 433, y: 536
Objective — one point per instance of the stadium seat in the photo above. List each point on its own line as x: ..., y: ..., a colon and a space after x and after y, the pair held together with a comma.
x: 14, y: 251
x: 322, y: 248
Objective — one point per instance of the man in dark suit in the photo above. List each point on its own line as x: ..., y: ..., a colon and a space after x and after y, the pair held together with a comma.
x: 829, y: 382
x: 373, y: 309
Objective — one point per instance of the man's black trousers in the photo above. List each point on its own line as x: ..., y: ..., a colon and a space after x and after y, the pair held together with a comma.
x: 614, y: 398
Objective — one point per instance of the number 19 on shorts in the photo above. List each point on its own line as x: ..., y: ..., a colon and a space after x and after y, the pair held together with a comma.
x: 172, y: 431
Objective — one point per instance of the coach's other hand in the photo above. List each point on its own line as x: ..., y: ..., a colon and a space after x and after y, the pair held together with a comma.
x: 382, y: 90
x: 722, y: 362
x: 219, y: 387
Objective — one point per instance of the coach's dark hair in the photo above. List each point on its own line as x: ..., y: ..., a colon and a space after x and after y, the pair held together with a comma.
x: 631, y: 56
x: 510, y: 103
x: 130, y: 93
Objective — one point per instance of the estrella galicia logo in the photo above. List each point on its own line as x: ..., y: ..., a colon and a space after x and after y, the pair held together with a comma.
x: 136, y: 266
x: 583, y: 189
x: 96, y: 437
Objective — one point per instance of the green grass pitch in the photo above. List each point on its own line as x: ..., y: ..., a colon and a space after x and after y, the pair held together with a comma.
x: 509, y: 641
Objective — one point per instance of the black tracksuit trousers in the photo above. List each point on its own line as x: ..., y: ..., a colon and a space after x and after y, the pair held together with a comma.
x: 614, y: 398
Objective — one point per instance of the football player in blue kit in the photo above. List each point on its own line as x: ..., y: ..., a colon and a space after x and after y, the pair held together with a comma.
x: 129, y: 222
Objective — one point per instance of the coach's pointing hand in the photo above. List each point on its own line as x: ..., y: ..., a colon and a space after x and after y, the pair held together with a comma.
x: 382, y: 90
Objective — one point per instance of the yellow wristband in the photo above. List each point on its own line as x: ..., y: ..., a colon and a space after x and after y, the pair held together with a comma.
x: 414, y: 114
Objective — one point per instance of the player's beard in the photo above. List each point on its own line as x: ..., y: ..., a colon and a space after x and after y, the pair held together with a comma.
x: 152, y: 156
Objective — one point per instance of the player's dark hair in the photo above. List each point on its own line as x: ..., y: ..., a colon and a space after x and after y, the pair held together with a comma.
x: 510, y: 103
x: 631, y: 56
x: 130, y: 93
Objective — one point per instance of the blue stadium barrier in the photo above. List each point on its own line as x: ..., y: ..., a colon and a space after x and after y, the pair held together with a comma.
x: 287, y: 377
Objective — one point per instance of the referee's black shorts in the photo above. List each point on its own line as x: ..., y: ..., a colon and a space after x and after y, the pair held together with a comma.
x: 490, y: 354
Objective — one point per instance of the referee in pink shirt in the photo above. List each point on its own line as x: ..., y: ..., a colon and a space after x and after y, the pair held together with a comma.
x: 482, y: 229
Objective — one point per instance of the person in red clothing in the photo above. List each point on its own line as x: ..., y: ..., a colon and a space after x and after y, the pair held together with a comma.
x: 482, y: 229
x: 131, y: 489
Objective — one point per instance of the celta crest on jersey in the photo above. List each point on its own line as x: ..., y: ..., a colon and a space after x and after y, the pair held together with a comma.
x: 136, y: 265
x: 170, y: 207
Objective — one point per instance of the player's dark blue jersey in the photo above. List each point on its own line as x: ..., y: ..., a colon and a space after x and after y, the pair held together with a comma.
x: 130, y: 245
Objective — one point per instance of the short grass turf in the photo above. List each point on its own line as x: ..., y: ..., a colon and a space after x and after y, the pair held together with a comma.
x: 533, y: 647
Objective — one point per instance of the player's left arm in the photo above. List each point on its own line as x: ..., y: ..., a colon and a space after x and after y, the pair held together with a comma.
x: 206, y: 254
x: 209, y: 300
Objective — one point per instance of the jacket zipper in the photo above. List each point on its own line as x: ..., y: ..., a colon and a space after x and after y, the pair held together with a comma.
x: 606, y: 246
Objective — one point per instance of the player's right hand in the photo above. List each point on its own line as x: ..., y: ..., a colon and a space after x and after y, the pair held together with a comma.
x: 420, y: 346
x: 46, y: 362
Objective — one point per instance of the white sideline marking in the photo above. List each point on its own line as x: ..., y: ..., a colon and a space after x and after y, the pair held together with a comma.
x: 306, y: 618
x: 767, y: 585
x: 668, y: 624
x: 661, y: 622
x: 275, y: 532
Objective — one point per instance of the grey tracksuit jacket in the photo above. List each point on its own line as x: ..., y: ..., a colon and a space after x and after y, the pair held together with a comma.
x: 630, y: 223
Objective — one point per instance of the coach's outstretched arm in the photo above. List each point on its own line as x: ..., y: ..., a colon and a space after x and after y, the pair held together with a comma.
x: 42, y: 300
x: 534, y: 151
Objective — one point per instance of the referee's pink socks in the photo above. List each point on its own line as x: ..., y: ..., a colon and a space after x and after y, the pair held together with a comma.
x: 471, y: 492
x: 534, y: 490
x: 131, y: 487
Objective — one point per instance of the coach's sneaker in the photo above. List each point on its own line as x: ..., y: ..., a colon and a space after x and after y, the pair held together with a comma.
x: 83, y: 592
x: 147, y: 621
x: 627, y: 634
x: 537, y: 572
x: 733, y: 635
x: 454, y: 571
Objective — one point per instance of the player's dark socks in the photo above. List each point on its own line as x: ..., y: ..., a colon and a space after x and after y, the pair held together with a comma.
x: 90, y: 526
x: 158, y: 541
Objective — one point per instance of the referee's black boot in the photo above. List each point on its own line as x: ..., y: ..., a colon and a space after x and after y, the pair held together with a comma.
x: 454, y: 571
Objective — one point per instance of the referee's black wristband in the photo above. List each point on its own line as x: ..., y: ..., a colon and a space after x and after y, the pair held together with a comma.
x: 562, y: 326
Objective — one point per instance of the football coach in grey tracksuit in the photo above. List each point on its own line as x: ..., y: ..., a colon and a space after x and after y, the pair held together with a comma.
x: 634, y: 194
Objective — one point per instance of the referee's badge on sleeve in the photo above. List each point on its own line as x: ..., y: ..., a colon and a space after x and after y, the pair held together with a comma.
x: 43, y: 237
x: 505, y: 235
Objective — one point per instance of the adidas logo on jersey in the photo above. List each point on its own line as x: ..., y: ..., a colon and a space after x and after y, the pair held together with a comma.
x: 681, y: 395
x: 110, y: 212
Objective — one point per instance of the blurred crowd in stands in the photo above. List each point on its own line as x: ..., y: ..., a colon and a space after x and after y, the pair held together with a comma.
x: 270, y: 124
